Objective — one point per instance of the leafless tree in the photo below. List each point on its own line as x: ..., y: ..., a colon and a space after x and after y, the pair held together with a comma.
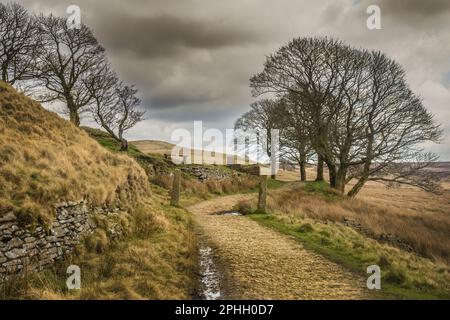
x: 295, y: 138
x: 69, y: 56
x: 264, y: 115
x: 114, y: 105
x: 396, y: 124
x: 364, y: 118
x: 19, y: 43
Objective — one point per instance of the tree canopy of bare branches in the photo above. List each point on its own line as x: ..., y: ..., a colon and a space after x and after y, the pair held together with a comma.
x: 60, y: 62
x: 114, y: 105
x: 69, y: 56
x: 19, y: 43
x: 363, y: 119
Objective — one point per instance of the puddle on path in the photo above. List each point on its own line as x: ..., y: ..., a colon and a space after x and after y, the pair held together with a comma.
x: 229, y: 213
x: 209, y: 276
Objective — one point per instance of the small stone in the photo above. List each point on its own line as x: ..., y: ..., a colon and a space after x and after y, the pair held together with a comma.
x: 10, y: 216
x: 15, y: 253
x: 30, y: 239
x: 15, y: 243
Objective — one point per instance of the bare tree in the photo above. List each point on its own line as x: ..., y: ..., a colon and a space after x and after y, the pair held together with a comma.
x: 263, y: 116
x: 114, y: 105
x: 364, y: 118
x: 396, y: 124
x: 309, y: 68
x: 19, y: 43
x: 295, y: 137
x: 69, y: 56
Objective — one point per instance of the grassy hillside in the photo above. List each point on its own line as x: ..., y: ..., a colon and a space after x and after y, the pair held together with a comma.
x: 45, y: 159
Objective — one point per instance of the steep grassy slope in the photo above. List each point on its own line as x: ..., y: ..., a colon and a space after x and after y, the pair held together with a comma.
x: 45, y: 159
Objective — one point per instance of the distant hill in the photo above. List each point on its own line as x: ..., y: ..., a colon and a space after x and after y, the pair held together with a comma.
x: 154, y: 146
x: 162, y: 147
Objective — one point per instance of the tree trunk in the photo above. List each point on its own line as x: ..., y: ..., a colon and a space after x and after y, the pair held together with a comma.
x: 357, y: 187
x: 363, y: 179
x: 319, y: 176
x: 262, y: 194
x: 73, y: 111
x: 4, y: 72
x: 340, y: 180
x: 302, y: 170
x: 332, y: 173
x: 123, y: 145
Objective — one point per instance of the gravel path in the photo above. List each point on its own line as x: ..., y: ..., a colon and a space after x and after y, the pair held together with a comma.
x: 260, y: 263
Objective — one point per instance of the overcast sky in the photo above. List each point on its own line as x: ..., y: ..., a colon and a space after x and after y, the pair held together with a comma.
x: 192, y: 59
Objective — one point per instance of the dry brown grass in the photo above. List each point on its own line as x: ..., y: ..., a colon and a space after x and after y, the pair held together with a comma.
x: 45, y: 159
x: 193, y: 187
x: 427, y: 234
x: 154, y: 146
x: 155, y: 259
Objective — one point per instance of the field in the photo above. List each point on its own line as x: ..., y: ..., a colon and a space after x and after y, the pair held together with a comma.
x: 165, y: 148
x: 396, y: 214
x: 403, y: 230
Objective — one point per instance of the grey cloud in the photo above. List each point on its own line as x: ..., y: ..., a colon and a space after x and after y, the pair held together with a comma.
x: 418, y: 7
x: 163, y: 35
x: 192, y: 59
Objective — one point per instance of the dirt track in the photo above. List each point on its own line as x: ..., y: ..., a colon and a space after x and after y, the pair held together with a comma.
x: 260, y: 263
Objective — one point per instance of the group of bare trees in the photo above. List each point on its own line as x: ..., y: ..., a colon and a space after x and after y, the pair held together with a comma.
x: 54, y: 61
x: 350, y: 108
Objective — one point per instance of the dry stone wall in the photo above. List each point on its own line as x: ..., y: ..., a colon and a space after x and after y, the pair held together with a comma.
x: 33, y: 249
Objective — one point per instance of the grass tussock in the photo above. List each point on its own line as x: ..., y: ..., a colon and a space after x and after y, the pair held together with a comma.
x: 45, y: 159
x: 154, y: 259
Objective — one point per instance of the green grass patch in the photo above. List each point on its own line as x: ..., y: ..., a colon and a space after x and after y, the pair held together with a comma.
x: 274, y: 184
x: 322, y: 189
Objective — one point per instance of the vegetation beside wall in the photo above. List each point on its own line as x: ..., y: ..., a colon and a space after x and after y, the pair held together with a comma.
x: 156, y: 259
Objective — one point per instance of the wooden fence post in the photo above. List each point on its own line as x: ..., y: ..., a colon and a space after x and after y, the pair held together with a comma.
x: 176, y: 186
x: 262, y: 194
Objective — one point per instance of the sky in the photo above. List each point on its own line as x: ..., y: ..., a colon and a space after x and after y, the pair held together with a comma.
x: 192, y: 59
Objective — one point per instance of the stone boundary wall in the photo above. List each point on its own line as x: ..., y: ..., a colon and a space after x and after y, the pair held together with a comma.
x: 206, y: 173
x: 35, y: 249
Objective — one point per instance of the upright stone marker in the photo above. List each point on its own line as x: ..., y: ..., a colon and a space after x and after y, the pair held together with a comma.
x: 176, y: 186
x: 262, y: 194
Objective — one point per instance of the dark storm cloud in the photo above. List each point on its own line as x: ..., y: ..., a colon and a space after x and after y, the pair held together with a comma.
x: 207, y: 114
x: 192, y: 59
x: 428, y: 8
x: 163, y: 35
x: 418, y: 8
